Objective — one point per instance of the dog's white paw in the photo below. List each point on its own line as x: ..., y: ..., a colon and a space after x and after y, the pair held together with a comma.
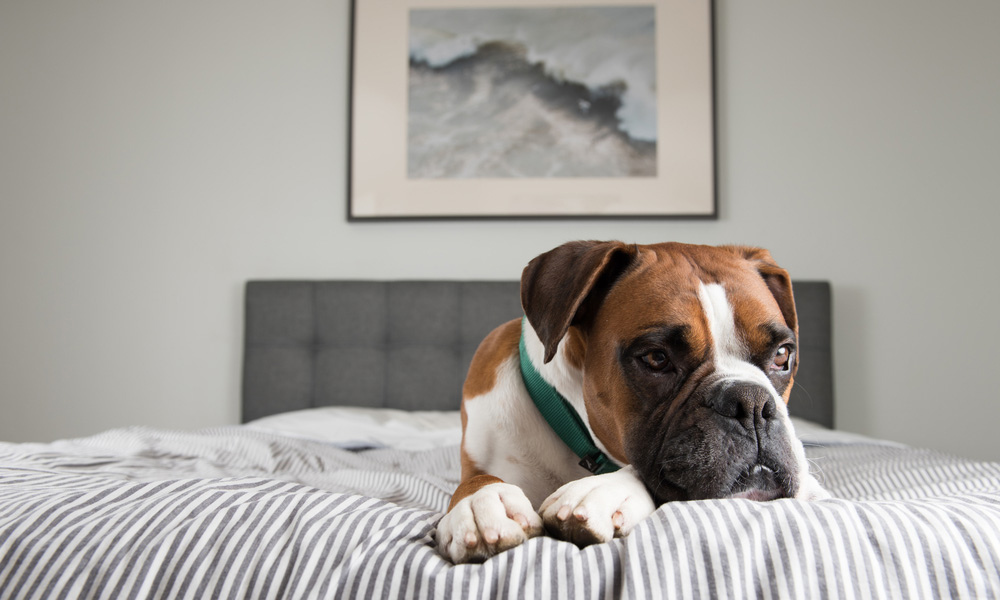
x: 810, y: 489
x: 495, y: 518
x: 598, y: 508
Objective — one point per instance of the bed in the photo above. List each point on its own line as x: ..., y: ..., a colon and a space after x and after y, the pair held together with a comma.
x: 348, y: 455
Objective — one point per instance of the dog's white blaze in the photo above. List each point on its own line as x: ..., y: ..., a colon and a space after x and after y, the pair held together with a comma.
x: 729, y: 351
x: 721, y: 321
x: 730, y: 363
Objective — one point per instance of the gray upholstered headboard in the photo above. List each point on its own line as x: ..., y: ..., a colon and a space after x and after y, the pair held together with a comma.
x: 408, y: 344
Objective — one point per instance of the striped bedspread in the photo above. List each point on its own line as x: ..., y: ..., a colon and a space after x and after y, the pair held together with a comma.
x: 233, y: 513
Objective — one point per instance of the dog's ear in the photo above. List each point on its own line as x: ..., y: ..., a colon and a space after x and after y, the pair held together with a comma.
x: 563, y: 285
x: 776, y: 278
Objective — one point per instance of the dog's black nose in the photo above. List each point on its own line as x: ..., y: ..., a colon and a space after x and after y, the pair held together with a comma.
x: 746, y: 402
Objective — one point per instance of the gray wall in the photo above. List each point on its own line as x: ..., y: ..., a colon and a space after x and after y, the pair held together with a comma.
x: 154, y: 157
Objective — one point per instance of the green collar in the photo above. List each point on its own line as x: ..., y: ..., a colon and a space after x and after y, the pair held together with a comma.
x: 561, y: 416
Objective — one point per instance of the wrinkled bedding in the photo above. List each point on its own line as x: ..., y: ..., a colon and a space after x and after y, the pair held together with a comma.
x: 241, y: 513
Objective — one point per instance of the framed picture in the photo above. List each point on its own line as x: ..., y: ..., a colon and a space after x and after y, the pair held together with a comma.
x: 515, y: 109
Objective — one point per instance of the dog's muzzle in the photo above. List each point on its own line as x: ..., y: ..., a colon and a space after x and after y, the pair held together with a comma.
x: 731, y: 442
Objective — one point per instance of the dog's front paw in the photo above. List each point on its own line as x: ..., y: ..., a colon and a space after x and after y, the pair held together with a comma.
x: 810, y: 489
x: 495, y: 518
x: 598, y: 508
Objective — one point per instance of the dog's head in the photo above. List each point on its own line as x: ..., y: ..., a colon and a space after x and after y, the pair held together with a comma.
x: 688, y: 355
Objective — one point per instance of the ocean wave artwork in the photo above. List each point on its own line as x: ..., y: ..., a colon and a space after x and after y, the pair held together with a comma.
x: 532, y: 92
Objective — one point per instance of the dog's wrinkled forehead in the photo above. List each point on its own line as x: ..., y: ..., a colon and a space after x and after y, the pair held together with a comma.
x: 725, y: 311
x: 722, y: 302
x: 615, y: 293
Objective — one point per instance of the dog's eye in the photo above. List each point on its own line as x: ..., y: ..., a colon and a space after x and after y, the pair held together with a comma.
x: 781, y: 358
x: 656, y: 360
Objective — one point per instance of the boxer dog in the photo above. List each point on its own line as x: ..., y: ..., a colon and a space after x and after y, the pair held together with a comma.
x: 668, y: 368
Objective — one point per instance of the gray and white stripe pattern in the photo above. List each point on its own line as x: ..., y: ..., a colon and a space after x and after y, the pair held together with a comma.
x: 228, y: 513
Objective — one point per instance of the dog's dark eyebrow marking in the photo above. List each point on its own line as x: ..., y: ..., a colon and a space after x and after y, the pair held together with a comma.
x: 663, y: 334
x: 778, y: 333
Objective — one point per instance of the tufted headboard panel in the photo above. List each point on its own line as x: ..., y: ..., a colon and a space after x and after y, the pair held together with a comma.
x: 408, y: 344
